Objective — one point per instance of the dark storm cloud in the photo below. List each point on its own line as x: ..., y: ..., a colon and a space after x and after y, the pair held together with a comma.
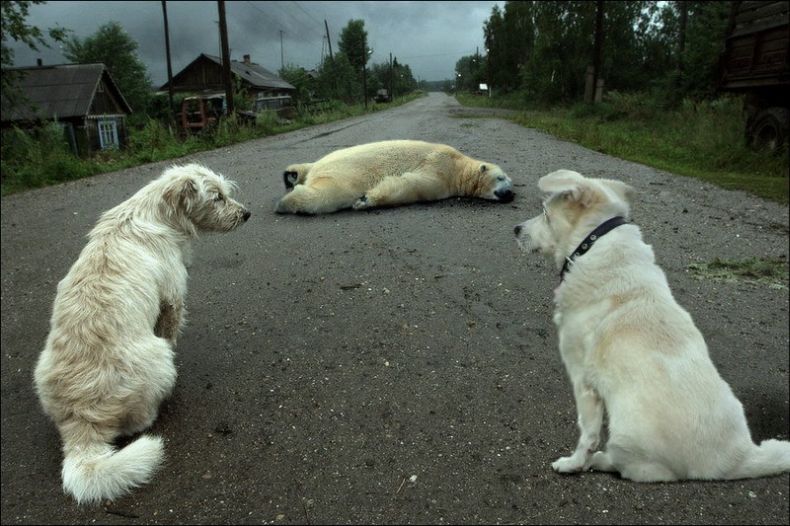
x: 429, y: 36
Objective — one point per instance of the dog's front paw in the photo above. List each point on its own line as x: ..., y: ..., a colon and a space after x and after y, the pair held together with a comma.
x: 570, y: 464
x: 363, y: 203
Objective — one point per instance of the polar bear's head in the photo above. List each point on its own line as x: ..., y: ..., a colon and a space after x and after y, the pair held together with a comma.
x: 494, y: 183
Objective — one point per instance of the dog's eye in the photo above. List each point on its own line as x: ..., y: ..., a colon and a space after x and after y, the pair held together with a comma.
x: 219, y: 197
x: 500, y: 178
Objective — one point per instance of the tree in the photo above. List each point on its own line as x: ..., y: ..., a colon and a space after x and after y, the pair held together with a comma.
x: 470, y: 71
x: 14, y: 27
x: 297, y: 77
x: 353, y: 43
x: 338, y: 80
x: 705, y: 32
x: 403, y: 80
x: 116, y: 49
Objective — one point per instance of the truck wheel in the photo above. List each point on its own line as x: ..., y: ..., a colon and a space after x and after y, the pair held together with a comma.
x: 769, y: 131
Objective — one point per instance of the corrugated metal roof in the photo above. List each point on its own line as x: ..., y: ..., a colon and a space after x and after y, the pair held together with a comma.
x: 61, y: 91
x: 255, y: 74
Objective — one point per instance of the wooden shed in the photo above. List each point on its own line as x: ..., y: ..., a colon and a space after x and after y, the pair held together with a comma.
x: 204, y: 75
x: 82, y: 98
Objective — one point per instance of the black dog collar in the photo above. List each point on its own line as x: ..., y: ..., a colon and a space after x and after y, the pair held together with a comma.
x: 588, y: 242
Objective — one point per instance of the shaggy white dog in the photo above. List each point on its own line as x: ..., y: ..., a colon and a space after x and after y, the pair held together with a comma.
x: 108, y: 359
x: 631, y: 350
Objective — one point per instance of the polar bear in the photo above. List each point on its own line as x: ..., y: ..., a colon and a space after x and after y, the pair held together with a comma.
x: 389, y: 173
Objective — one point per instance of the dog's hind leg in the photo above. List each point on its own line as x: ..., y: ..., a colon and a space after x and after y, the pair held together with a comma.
x: 154, y: 382
x: 590, y: 409
x: 647, y: 472
x: 600, y: 461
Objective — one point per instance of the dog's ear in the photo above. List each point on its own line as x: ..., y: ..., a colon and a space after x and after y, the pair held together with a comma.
x: 624, y: 191
x: 182, y: 193
x: 560, y: 182
x: 569, y: 184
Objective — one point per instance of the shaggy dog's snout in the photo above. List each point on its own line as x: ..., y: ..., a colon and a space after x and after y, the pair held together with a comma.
x: 517, y: 230
x: 505, y: 195
x: 246, y: 215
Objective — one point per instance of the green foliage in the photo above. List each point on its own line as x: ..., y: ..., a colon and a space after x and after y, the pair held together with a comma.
x: 544, y: 48
x: 38, y: 158
x: 297, y: 76
x: 470, y: 71
x: 338, y: 80
x: 112, y: 46
x: 15, y: 27
x: 353, y: 44
x: 707, y: 23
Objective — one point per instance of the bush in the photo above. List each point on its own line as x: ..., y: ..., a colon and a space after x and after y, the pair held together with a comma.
x: 34, y: 158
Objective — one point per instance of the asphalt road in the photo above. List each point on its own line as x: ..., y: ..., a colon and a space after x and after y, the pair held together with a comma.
x: 329, y: 360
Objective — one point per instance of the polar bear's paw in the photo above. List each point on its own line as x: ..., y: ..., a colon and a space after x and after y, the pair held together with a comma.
x: 363, y: 203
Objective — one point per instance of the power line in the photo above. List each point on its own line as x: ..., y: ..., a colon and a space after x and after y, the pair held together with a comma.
x: 281, y: 8
x: 458, y: 54
x: 318, y: 23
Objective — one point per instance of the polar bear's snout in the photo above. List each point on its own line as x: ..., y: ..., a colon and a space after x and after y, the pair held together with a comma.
x: 506, y: 195
x: 503, y: 189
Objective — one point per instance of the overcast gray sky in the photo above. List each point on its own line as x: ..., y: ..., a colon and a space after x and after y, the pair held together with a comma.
x: 429, y: 36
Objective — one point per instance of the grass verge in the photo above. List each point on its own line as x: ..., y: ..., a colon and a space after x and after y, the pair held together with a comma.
x: 702, y: 140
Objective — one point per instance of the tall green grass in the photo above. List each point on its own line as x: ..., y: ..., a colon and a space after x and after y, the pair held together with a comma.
x: 697, y: 139
x: 42, y: 157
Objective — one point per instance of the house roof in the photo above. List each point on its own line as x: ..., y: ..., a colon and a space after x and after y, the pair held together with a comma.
x: 61, y: 91
x: 253, y: 73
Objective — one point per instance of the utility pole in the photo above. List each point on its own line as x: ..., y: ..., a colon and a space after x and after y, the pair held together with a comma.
x: 329, y: 41
x: 169, y: 66
x: 392, y: 93
x: 598, y: 58
x: 282, y: 53
x: 684, y: 10
x: 223, y: 33
x: 365, y: 70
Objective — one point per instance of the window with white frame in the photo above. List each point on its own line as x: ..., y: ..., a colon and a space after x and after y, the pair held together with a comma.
x: 108, y: 134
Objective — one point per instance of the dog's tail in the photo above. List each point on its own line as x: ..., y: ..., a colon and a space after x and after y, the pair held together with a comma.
x: 771, y: 457
x: 94, y: 470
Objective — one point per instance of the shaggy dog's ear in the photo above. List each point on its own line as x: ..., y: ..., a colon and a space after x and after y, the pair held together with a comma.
x: 483, y: 168
x: 182, y: 193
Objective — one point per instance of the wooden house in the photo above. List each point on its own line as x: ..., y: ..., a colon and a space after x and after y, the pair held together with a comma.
x: 204, y: 75
x: 83, y: 98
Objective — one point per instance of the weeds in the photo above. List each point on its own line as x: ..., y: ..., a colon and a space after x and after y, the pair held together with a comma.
x: 772, y: 272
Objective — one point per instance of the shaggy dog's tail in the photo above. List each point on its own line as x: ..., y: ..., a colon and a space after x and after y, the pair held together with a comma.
x: 771, y: 457
x: 94, y: 470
